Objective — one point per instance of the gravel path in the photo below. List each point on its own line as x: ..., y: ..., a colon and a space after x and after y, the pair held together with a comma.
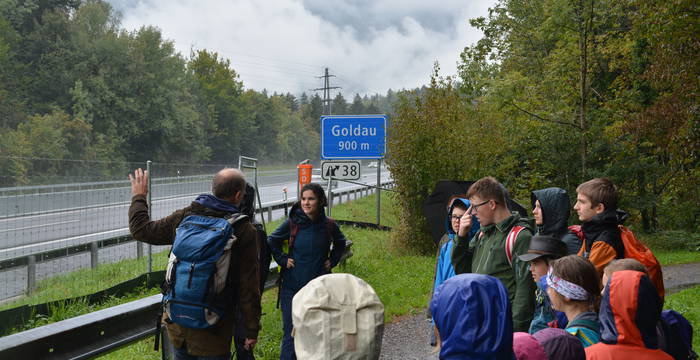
x: 409, y: 338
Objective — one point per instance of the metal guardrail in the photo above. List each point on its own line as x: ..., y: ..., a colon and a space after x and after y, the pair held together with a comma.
x: 99, y: 332
x: 31, y: 259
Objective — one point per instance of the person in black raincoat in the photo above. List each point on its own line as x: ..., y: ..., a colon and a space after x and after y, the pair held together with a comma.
x: 551, y: 208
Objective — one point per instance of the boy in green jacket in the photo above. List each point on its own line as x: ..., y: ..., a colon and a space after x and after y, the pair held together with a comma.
x: 494, y: 250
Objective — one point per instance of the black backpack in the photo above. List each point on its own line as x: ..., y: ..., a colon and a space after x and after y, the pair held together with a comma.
x: 678, y: 335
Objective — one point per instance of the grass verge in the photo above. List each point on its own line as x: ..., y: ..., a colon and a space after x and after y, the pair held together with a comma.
x: 87, y: 281
x: 673, y: 247
x: 402, y: 282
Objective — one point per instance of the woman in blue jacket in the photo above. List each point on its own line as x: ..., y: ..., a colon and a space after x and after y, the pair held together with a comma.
x: 309, y: 254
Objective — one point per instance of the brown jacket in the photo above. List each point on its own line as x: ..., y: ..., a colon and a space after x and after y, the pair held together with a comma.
x: 244, y: 270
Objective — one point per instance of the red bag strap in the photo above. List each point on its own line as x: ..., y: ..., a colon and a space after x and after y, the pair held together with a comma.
x: 293, y: 231
x: 510, y: 242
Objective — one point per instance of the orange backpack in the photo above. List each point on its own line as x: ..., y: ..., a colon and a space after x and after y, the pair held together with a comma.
x: 634, y: 249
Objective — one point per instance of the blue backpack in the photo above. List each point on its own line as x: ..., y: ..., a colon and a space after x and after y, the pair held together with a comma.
x: 197, y: 292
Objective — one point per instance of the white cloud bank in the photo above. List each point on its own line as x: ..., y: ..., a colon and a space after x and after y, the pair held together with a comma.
x: 282, y: 45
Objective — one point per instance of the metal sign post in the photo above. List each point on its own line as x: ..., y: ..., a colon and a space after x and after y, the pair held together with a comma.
x: 245, y: 162
x: 379, y: 187
x: 150, y: 211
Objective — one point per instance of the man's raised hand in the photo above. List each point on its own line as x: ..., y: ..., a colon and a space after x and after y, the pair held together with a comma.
x: 465, y: 223
x: 139, y: 182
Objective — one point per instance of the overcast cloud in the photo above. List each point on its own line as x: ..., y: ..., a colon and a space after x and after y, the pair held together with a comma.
x: 282, y: 45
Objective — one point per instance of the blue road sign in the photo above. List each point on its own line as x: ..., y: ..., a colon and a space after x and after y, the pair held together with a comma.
x: 353, y: 136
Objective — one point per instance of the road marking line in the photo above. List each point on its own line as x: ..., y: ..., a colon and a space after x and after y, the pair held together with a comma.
x: 16, y: 248
x: 42, y: 225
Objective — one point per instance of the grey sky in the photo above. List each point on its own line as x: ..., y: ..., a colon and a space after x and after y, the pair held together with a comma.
x: 282, y: 45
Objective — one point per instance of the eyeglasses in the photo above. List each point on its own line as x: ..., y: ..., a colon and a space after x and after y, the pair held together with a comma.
x: 456, y: 217
x: 474, y: 207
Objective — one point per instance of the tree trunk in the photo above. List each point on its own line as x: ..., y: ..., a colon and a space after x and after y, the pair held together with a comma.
x: 584, y: 34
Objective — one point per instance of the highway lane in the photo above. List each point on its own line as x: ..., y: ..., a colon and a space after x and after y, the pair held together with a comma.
x: 13, y: 282
x: 28, y: 234
x: 22, y: 201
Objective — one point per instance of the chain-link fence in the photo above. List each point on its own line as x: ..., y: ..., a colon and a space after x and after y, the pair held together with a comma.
x: 57, y: 217
x: 64, y: 223
x: 64, y: 232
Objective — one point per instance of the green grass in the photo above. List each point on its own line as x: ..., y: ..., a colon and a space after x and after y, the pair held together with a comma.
x: 667, y: 258
x: 72, y: 308
x: 402, y: 282
x: 686, y: 303
x: 365, y: 210
x: 673, y: 247
x: 87, y: 281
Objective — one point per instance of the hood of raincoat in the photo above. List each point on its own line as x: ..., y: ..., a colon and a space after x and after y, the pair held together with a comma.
x: 629, y: 310
x: 213, y: 202
x: 556, y: 208
x: 473, y: 316
x: 448, y: 221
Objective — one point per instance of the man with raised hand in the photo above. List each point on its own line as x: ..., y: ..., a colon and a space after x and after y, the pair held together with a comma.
x: 228, y: 190
x: 494, y: 250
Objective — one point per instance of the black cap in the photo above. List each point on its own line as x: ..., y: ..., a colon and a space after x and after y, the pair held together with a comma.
x: 544, y: 245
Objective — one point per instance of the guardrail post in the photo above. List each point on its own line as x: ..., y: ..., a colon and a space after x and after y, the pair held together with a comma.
x: 269, y: 214
x: 93, y: 254
x: 139, y: 249
x: 31, y: 273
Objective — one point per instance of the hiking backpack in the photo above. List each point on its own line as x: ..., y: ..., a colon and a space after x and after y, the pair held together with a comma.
x: 197, y: 291
x: 634, y: 249
x: 510, y: 241
x: 678, y: 333
x: 337, y: 316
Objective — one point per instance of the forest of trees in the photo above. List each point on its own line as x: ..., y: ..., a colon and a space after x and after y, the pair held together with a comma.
x: 558, y: 92
x: 75, y: 85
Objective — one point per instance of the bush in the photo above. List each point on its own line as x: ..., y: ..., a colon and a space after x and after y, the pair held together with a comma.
x: 430, y: 139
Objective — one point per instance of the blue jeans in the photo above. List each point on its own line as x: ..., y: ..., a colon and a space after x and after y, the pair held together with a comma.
x: 181, y: 354
x: 287, y: 347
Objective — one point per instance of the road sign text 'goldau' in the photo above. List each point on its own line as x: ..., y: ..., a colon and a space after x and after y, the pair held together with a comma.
x: 353, y: 136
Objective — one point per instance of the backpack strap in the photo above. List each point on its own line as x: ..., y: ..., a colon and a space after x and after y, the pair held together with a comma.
x: 235, y: 218
x: 293, y: 231
x: 330, y: 226
x: 510, y: 242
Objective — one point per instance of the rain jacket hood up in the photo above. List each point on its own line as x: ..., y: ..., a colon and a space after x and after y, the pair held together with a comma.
x: 473, y: 315
x: 443, y: 267
x: 630, y: 310
x: 628, y: 315
x: 448, y: 221
x: 556, y: 208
